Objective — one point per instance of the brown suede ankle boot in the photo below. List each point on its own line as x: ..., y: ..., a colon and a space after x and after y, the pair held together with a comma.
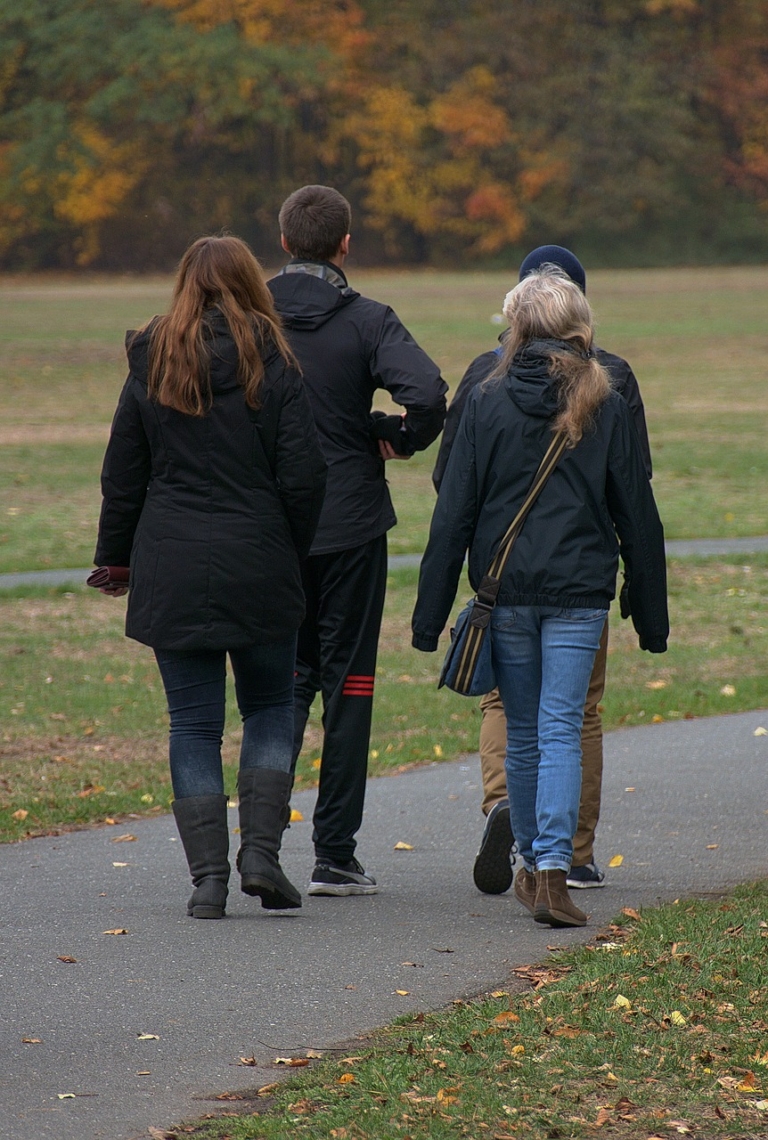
x: 525, y: 889
x: 552, y: 905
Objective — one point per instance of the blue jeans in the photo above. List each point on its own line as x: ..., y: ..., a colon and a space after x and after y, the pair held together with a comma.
x: 195, y: 686
x: 543, y: 658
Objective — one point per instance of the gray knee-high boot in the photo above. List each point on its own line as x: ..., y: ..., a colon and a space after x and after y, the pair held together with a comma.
x: 264, y: 796
x: 202, y: 824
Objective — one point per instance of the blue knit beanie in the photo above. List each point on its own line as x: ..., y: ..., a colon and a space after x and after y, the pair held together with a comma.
x: 556, y: 255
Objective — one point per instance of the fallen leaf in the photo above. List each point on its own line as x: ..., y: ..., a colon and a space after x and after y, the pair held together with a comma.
x: 621, y: 1002
x: 760, y: 1059
x: 117, y: 930
x: 266, y: 1090
x: 516, y: 1050
x: 400, y: 846
x: 566, y: 1031
x: 65, y: 958
x: 251, y: 1061
x: 110, y: 821
x: 146, y: 799
x: 680, y: 1126
x: 119, y: 864
x: 127, y: 838
x: 499, y: 993
x: 629, y: 789
x: 144, y: 1073
x: 748, y: 1083
x: 677, y: 1018
x: 31, y: 1041
x: 161, y: 1134
x: 712, y: 846
x: 22, y: 813
x: 603, y: 1116
x: 657, y: 719
x: 418, y: 965
x: 655, y: 684
x: 316, y: 763
x: 466, y: 1047
x: 403, y: 993
x: 447, y: 950
x: 760, y: 731
x: 616, y: 861
x: 728, y: 691
x: 630, y: 913
x: 506, y: 1017
x: 446, y: 1096
x: 296, y: 816
x: 147, y: 1037
x: 761, y: 1105
x: 314, y: 1053
x: 346, y: 1079
x: 437, y: 750
x: 65, y: 1096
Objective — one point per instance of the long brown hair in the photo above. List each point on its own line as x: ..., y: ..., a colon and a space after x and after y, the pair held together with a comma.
x: 548, y: 305
x: 220, y: 273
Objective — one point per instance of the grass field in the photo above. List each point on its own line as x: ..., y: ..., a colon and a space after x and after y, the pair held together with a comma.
x: 82, y: 720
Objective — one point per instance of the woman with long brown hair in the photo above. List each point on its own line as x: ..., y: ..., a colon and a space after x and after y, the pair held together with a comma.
x: 212, y: 486
x: 557, y: 585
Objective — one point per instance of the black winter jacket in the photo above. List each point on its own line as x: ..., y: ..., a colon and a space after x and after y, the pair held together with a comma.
x: 567, y: 552
x: 622, y: 377
x: 212, y: 513
x: 348, y: 346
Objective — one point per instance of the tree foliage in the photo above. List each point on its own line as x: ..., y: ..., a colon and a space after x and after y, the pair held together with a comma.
x: 462, y: 129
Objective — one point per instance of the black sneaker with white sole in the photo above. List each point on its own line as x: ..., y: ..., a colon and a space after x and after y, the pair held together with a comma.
x: 492, y: 871
x: 347, y: 879
x: 586, y: 876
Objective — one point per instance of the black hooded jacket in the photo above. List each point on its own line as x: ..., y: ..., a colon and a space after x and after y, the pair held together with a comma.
x: 348, y: 346
x: 567, y: 552
x: 212, y: 513
x: 622, y: 378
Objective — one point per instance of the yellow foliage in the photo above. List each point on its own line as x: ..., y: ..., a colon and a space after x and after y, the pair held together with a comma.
x: 101, y: 174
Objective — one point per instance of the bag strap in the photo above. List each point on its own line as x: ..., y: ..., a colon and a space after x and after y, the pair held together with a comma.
x: 489, y: 586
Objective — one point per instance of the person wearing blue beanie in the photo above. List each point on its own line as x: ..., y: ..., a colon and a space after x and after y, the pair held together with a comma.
x: 492, y: 870
x: 555, y: 255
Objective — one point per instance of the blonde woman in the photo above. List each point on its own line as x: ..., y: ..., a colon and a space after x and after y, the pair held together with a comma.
x: 213, y: 483
x: 560, y: 579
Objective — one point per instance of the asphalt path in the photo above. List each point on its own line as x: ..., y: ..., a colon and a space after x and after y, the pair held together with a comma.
x: 685, y: 803
x: 676, y: 548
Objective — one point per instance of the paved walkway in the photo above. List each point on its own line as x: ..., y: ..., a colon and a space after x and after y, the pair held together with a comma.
x: 676, y: 548
x: 685, y: 804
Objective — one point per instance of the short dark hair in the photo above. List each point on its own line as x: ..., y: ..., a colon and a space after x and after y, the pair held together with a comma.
x: 314, y: 221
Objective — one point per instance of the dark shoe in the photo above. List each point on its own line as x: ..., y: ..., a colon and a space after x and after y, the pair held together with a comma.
x: 589, y: 875
x: 492, y: 871
x: 347, y: 879
x: 204, y: 831
x: 525, y: 889
x: 264, y: 796
x: 552, y: 905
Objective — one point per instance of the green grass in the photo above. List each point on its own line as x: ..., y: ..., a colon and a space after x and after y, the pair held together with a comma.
x: 72, y: 686
x: 657, y: 1029
x: 695, y: 338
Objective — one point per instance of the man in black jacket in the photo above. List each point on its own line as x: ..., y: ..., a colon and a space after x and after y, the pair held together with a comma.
x: 347, y: 346
x: 492, y: 870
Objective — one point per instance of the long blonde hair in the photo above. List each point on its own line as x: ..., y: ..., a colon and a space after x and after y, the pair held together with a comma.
x: 548, y: 305
x: 220, y: 273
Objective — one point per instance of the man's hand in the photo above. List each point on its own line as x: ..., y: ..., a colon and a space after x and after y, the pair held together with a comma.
x: 387, y: 451
x: 113, y: 591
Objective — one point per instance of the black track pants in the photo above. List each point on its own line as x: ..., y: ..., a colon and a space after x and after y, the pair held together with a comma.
x: 336, y: 656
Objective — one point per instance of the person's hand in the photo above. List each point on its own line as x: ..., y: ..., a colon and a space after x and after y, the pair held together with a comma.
x: 387, y: 451
x: 113, y: 591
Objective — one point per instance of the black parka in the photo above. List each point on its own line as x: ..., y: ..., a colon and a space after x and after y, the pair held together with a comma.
x: 348, y: 346
x: 622, y: 377
x: 567, y: 552
x: 212, y: 513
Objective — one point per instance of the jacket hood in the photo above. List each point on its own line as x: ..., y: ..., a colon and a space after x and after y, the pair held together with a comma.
x: 306, y: 302
x: 224, y: 359
x: 528, y: 381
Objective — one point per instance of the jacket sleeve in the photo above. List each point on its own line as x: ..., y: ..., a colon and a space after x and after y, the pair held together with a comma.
x: 413, y: 380
x: 300, y: 467
x: 480, y: 367
x: 125, y: 475
x: 625, y: 383
x: 641, y: 536
x: 450, y: 533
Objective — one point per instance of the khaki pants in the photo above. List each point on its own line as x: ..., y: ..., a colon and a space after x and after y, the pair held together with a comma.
x: 493, y: 749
